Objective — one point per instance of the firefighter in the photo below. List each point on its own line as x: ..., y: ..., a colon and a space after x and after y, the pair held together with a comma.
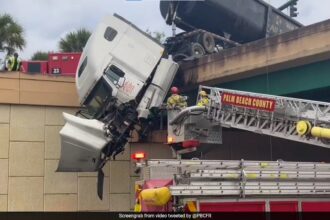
x: 176, y: 101
x: 203, y: 99
x: 14, y: 63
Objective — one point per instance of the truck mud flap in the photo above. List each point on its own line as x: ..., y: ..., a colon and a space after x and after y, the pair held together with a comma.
x: 82, y: 141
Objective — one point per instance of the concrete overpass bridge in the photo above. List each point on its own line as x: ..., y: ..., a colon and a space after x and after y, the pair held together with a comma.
x: 294, y: 64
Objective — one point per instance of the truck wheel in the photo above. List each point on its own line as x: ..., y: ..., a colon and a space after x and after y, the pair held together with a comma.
x: 179, y: 56
x: 197, y: 50
x: 207, y: 41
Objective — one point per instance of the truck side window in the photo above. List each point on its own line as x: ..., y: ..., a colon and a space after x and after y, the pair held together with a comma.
x: 82, y: 67
x: 110, y: 33
x: 114, y: 74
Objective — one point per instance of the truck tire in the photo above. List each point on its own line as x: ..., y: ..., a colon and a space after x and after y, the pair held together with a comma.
x: 207, y: 41
x: 179, y: 57
x: 197, y: 50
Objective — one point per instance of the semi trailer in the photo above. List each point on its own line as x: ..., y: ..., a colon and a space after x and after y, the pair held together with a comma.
x: 214, y: 24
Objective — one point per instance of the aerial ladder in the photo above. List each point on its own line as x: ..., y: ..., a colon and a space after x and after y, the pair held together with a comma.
x: 192, y: 183
x: 293, y: 119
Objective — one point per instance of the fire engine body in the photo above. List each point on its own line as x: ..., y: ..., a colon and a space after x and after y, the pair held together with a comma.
x: 219, y: 185
x: 232, y: 186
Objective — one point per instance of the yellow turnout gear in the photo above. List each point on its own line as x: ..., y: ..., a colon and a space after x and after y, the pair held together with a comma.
x: 13, y: 64
x: 203, y: 101
x: 176, y: 101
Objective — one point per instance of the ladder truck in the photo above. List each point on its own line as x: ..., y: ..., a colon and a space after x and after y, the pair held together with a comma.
x: 199, y: 185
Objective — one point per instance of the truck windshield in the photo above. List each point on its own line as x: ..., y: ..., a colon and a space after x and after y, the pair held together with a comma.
x: 97, y: 98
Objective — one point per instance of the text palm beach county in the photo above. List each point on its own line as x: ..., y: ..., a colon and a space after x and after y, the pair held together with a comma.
x: 248, y: 101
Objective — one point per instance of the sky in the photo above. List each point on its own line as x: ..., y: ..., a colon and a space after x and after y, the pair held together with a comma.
x: 45, y: 22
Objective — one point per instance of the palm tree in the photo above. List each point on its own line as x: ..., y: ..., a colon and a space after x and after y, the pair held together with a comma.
x: 74, y: 41
x: 11, y: 34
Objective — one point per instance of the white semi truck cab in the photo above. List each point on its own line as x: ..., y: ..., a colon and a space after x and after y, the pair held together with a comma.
x: 122, y: 74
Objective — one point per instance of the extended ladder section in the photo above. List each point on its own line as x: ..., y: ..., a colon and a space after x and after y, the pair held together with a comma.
x: 241, y: 179
x: 289, y: 118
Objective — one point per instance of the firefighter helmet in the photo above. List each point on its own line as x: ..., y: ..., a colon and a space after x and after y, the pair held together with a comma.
x: 174, y: 90
x: 202, y: 93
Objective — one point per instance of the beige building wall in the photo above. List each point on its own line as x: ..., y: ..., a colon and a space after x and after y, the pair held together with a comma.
x: 30, y: 121
x: 29, y: 154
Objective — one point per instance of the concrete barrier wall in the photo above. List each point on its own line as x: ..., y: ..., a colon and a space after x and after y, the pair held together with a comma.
x: 37, y: 89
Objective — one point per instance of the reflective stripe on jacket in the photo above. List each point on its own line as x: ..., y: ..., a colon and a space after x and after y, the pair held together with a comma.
x: 204, y: 101
x: 13, y: 64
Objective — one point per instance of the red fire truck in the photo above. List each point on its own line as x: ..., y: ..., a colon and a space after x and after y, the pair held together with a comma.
x: 238, y: 186
x: 58, y: 64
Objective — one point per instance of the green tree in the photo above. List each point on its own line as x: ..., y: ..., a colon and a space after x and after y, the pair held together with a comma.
x: 74, y: 41
x: 158, y: 36
x: 11, y: 34
x: 40, y: 55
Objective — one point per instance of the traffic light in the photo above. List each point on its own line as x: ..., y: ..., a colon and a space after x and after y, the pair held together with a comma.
x: 293, y: 10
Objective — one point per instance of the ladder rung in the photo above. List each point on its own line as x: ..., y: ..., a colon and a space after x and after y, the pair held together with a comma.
x: 225, y: 164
